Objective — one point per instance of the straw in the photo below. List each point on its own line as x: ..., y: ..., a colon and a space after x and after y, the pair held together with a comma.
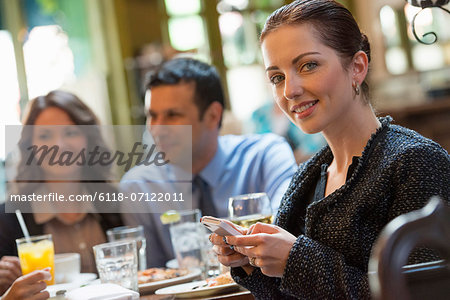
x: 22, y: 224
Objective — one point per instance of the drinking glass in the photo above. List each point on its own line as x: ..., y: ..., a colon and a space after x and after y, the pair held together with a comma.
x: 212, y: 266
x: 67, y: 267
x: 117, y: 263
x: 37, y: 253
x: 131, y: 233
x: 187, y: 237
x: 246, y: 210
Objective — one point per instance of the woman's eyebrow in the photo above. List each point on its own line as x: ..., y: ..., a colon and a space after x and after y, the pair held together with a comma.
x: 294, y: 61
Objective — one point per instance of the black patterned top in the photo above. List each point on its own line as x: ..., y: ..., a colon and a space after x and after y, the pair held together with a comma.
x: 398, y: 171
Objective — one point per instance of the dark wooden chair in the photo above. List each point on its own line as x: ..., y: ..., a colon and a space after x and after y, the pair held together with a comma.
x: 389, y: 278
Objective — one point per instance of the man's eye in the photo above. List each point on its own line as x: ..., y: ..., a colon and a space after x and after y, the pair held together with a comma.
x: 276, y: 79
x: 173, y: 114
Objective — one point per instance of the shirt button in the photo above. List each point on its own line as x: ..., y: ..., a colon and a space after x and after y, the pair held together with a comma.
x: 82, y: 245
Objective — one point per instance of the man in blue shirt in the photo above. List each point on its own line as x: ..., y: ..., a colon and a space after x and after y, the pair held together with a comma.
x: 185, y: 91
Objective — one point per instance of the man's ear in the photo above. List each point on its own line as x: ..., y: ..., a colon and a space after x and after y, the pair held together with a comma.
x: 360, y: 67
x: 213, y: 115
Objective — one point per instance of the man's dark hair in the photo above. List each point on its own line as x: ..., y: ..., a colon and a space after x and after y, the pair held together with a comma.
x: 208, y: 87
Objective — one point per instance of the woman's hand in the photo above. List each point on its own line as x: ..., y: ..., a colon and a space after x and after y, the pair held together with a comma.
x: 29, y: 287
x: 267, y: 247
x: 226, y: 255
x: 9, y: 271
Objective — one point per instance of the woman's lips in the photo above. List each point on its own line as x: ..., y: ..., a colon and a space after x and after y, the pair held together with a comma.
x: 304, y: 109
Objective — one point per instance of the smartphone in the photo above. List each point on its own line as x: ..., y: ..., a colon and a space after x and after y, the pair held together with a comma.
x: 219, y: 226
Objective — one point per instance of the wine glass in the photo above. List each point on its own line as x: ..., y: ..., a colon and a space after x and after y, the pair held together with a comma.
x: 246, y: 210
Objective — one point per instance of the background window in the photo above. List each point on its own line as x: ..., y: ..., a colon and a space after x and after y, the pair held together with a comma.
x: 402, y: 51
x: 9, y: 87
x: 186, y: 26
x: 395, y: 55
x: 48, y: 59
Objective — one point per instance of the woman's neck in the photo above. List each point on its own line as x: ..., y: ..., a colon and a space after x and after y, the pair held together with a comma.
x: 66, y: 188
x: 348, y: 137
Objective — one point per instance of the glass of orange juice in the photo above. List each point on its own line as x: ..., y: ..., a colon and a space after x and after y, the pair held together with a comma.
x: 37, y: 253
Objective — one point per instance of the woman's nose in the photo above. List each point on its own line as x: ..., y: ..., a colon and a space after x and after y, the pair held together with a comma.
x: 292, y: 88
x: 61, y: 142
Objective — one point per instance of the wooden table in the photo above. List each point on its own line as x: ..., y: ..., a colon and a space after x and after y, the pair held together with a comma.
x: 239, y: 295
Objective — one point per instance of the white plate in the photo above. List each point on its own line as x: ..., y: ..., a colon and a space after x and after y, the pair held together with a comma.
x: 187, y: 290
x: 153, y: 286
x: 82, y: 279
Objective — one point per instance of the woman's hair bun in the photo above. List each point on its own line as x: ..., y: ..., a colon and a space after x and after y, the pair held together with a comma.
x: 365, y: 45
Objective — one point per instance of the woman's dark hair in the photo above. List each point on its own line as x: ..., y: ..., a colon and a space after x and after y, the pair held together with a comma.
x: 80, y: 114
x: 208, y: 87
x: 333, y: 23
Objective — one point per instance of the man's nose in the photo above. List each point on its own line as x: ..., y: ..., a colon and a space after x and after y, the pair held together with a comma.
x: 159, y: 120
x: 158, y: 130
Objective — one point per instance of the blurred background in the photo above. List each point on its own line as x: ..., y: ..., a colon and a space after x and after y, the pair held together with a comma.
x: 101, y: 50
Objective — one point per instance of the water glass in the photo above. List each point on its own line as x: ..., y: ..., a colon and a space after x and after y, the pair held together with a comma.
x: 67, y: 267
x: 187, y: 237
x: 212, y: 266
x: 246, y: 210
x: 117, y: 263
x: 131, y: 233
x: 37, y: 253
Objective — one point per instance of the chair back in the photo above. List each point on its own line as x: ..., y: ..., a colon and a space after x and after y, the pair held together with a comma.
x: 430, y: 227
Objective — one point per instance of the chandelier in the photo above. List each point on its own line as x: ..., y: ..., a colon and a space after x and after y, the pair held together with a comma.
x: 424, y: 4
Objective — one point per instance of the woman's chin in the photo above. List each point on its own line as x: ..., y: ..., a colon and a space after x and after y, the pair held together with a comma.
x: 308, y: 127
x: 62, y: 173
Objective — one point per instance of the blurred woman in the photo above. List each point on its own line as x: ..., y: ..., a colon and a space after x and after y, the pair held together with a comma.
x: 59, y: 118
x: 372, y: 171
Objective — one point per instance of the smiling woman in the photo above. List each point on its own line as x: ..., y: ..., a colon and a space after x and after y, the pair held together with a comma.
x: 317, y: 61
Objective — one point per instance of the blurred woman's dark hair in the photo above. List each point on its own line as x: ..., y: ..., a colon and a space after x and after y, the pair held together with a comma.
x: 333, y: 24
x: 78, y: 112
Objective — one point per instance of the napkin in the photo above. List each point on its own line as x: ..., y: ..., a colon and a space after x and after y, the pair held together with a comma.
x: 104, y: 291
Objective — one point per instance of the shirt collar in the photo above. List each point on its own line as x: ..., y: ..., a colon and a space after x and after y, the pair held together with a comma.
x: 213, y: 171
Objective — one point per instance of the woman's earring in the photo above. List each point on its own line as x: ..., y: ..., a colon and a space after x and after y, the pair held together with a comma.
x: 356, y: 88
